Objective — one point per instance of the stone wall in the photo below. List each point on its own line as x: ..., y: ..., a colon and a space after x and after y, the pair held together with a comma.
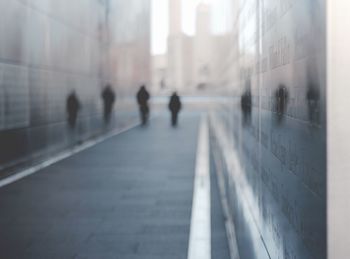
x: 49, y: 48
x: 269, y: 135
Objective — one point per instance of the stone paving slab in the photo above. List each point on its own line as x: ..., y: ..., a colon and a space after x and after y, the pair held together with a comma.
x: 129, y: 197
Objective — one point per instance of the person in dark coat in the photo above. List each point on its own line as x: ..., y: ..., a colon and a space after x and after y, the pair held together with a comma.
x: 73, y: 106
x: 142, y: 100
x: 174, y: 107
x: 246, y: 107
x: 108, y: 97
x: 313, y: 98
x: 281, y: 99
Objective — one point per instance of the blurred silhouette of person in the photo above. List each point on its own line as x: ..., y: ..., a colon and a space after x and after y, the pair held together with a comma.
x: 73, y: 107
x: 281, y: 98
x: 246, y: 106
x: 162, y: 83
x: 108, y: 97
x: 174, y: 107
x: 313, y: 98
x: 142, y: 100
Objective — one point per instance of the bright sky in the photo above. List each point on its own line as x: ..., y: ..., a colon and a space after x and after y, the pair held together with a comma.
x: 160, y: 16
x: 159, y: 24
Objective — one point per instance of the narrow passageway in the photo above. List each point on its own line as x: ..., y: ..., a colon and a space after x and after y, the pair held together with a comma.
x: 128, y: 197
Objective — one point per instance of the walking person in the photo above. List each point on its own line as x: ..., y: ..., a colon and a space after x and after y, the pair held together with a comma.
x: 108, y: 97
x: 73, y: 106
x: 142, y: 100
x: 174, y: 107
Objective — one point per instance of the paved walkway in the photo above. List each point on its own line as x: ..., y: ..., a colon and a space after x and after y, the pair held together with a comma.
x: 129, y: 197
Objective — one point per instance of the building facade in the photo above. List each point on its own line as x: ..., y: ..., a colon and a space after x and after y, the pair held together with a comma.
x: 180, y: 55
x: 203, y: 49
x: 160, y: 74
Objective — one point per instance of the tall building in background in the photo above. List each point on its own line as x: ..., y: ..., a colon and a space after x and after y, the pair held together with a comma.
x: 180, y: 52
x: 174, y: 45
x: 190, y: 61
x: 175, y: 17
x: 203, y: 47
x: 159, y: 74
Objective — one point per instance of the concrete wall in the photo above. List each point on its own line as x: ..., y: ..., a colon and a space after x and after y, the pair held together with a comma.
x: 49, y: 48
x: 338, y: 128
x: 269, y: 135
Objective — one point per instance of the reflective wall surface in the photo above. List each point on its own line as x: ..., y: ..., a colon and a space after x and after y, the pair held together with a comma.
x: 274, y: 127
x: 49, y: 48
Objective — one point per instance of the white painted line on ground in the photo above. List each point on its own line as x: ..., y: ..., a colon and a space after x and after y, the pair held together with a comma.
x: 63, y: 155
x: 200, y: 233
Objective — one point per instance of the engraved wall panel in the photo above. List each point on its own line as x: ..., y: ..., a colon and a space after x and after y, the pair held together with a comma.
x: 49, y: 48
x: 278, y: 125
